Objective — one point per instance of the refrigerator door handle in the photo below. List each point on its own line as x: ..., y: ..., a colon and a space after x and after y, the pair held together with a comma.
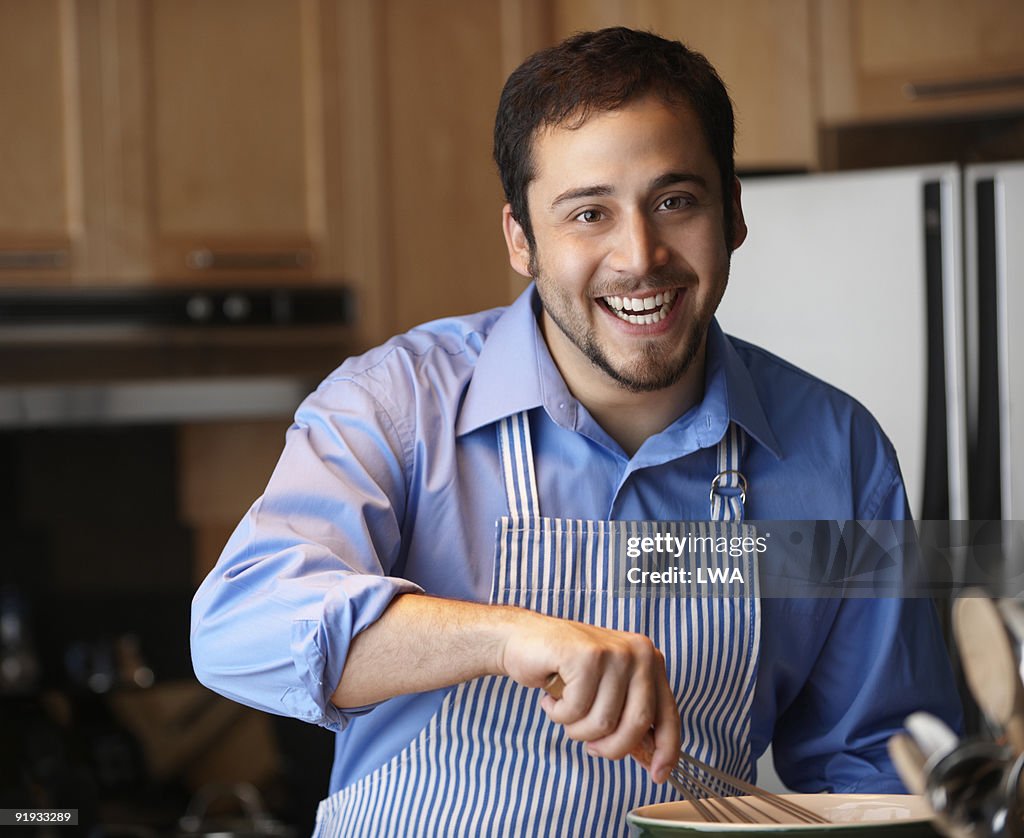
x: 985, y: 447
x: 935, y: 502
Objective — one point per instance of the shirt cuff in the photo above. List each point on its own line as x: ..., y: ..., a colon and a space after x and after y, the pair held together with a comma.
x: 320, y: 646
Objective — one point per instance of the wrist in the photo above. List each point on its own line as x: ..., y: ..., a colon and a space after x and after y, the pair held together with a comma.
x: 509, y: 621
x: 521, y: 641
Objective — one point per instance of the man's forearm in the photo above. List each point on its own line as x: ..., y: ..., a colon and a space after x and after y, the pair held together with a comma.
x: 615, y: 691
x: 424, y: 643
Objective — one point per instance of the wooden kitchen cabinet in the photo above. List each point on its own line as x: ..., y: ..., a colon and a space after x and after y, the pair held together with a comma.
x: 419, y: 87
x: 167, y: 141
x: 318, y: 139
x: 218, y: 134
x: 354, y: 135
x: 51, y: 208
x: 761, y: 48
x: 894, y: 59
x: 443, y: 72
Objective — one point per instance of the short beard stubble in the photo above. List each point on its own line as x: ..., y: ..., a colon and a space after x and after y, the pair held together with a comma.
x: 653, y: 369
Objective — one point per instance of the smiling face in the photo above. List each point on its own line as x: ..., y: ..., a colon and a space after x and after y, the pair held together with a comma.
x: 631, y: 257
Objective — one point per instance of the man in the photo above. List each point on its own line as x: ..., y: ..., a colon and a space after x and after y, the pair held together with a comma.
x: 370, y: 591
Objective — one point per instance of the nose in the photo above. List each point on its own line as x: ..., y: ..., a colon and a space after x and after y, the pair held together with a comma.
x: 638, y: 248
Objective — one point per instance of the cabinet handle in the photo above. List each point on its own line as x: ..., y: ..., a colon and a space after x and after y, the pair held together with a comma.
x: 212, y: 260
x: 964, y: 87
x: 33, y: 260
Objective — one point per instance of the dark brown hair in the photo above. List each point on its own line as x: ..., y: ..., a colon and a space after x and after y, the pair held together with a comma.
x: 602, y: 71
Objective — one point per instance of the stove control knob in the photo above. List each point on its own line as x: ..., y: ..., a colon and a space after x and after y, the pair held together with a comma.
x: 237, y: 307
x: 199, y: 308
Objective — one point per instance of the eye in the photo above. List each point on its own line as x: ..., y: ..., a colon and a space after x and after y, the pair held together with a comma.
x: 589, y: 216
x: 675, y: 202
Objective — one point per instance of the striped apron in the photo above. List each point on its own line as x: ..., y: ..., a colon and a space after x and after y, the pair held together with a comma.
x: 489, y: 762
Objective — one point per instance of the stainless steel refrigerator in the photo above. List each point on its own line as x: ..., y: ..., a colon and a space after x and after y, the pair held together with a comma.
x: 903, y: 287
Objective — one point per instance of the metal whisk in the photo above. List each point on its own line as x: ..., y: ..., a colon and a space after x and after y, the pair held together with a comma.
x: 716, y: 796
x: 719, y: 797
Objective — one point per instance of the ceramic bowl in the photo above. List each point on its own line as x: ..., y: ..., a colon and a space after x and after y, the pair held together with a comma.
x: 903, y: 815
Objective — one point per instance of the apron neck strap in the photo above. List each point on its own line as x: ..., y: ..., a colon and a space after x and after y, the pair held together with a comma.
x: 517, y: 464
x: 729, y: 486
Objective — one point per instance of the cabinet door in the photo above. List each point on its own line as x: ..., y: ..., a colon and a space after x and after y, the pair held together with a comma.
x: 220, y: 113
x: 49, y: 152
x: 761, y: 49
x: 904, y: 58
x: 421, y: 88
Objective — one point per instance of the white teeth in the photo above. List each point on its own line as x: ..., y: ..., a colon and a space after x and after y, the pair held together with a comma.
x: 644, y: 319
x: 658, y: 304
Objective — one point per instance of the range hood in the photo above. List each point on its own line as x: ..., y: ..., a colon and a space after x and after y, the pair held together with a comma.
x: 104, y: 356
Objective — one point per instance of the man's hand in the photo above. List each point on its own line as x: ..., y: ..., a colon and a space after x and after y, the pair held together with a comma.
x: 615, y: 691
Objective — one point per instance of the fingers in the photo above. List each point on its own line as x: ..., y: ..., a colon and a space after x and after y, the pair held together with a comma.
x: 667, y: 736
x: 621, y: 703
x: 649, y: 726
x: 618, y: 709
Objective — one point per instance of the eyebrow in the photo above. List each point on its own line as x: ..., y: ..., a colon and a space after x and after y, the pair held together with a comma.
x: 600, y: 190
x: 672, y: 178
x: 597, y: 191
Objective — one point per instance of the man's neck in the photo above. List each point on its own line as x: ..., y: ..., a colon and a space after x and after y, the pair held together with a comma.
x: 627, y: 417
x: 631, y: 418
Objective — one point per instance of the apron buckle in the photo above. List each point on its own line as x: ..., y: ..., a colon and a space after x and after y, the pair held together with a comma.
x: 723, y: 479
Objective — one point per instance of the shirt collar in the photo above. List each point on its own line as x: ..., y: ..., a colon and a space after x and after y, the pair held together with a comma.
x: 730, y: 390
x: 515, y: 372
x: 509, y: 376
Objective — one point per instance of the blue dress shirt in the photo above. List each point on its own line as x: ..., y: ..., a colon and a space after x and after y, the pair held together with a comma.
x: 390, y: 482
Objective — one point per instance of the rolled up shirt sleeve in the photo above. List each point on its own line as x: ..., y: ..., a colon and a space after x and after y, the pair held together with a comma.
x: 307, y: 569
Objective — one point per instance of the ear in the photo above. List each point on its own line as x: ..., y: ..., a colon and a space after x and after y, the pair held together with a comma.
x: 739, y: 224
x: 515, y: 240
